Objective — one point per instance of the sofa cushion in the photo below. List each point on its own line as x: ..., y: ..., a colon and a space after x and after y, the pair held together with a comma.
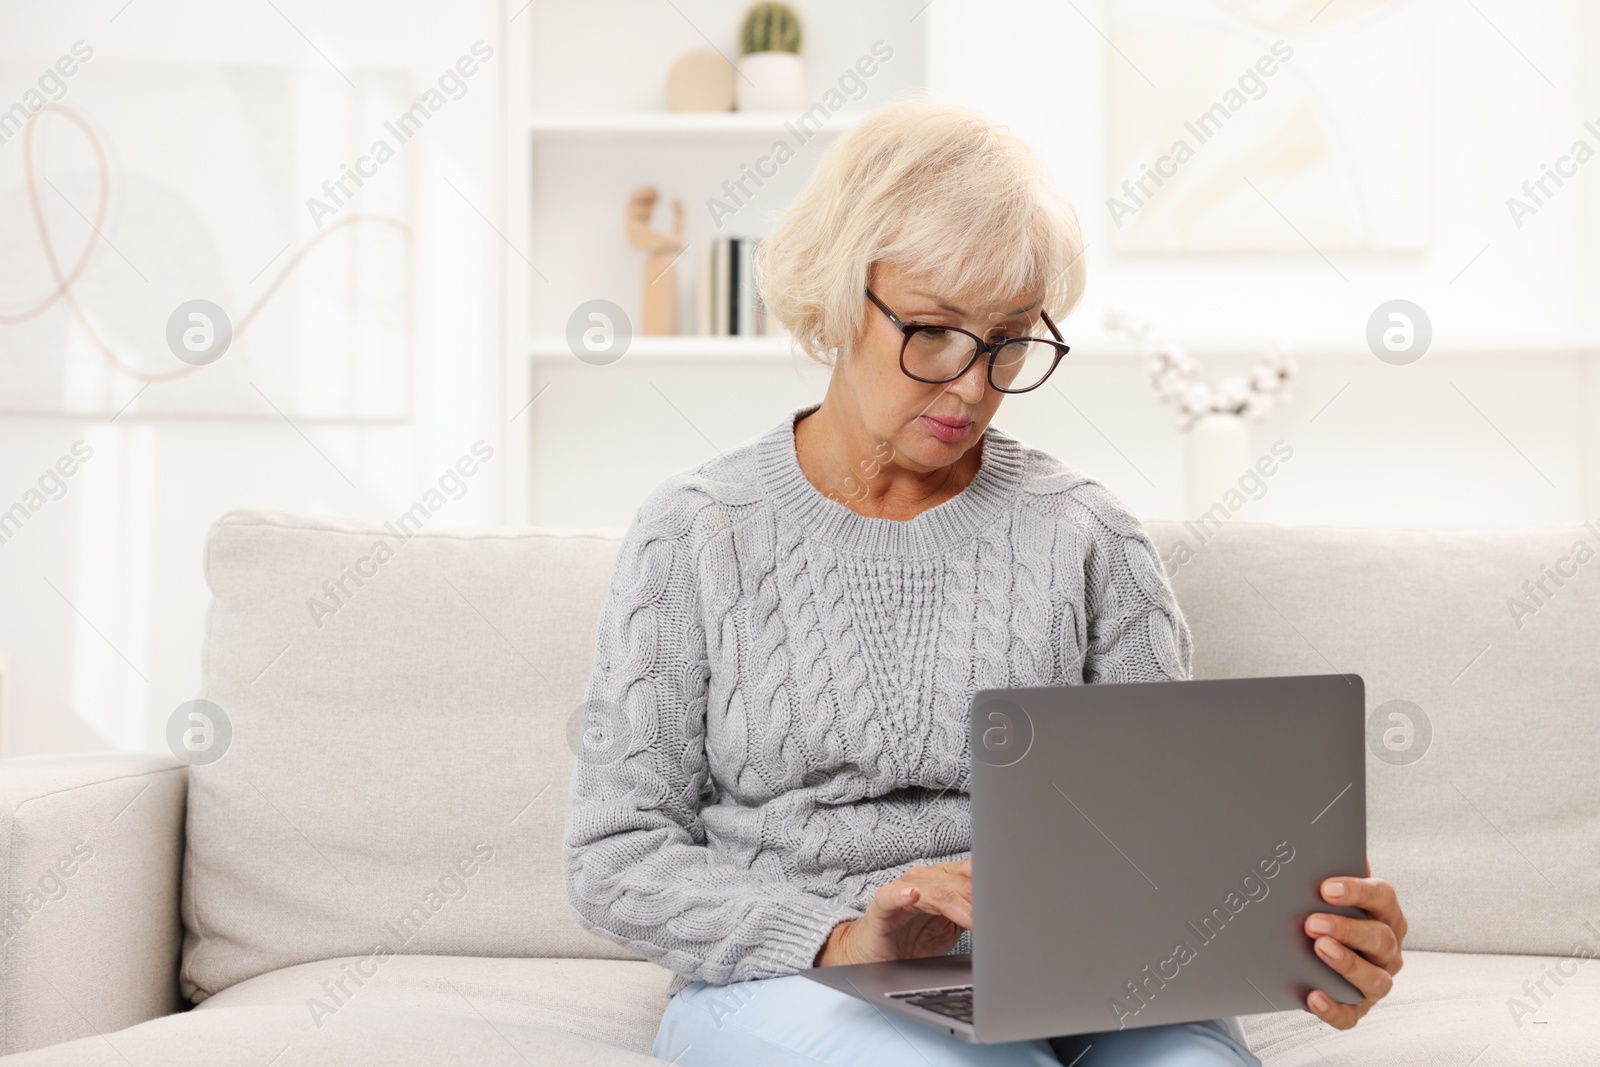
x: 618, y: 1002
x: 1446, y: 1009
x: 398, y: 768
x: 1453, y: 1010
x: 361, y: 1036
x: 1493, y: 836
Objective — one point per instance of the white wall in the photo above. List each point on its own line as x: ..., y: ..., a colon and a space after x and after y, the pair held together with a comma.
x: 123, y: 546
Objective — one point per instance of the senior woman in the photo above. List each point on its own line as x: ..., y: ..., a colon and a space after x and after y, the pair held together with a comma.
x: 795, y: 628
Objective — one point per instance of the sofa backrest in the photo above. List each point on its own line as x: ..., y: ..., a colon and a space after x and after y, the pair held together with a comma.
x: 1483, y: 797
x: 399, y: 764
x: 400, y: 752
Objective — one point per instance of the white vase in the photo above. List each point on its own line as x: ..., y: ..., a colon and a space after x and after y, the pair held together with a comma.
x: 1216, y: 456
x: 771, y: 81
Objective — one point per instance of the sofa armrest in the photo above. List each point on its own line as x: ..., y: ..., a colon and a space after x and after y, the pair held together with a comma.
x: 91, y: 858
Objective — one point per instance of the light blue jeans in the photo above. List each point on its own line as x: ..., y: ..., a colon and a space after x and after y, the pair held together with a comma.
x: 795, y: 1022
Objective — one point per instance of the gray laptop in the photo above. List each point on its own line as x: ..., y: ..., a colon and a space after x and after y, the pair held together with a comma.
x: 1142, y: 854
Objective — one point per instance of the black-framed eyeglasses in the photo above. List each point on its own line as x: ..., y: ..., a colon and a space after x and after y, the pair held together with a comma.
x: 937, y: 354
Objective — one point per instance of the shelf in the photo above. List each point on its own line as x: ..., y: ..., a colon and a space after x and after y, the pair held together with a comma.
x: 700, y: 123
x: 1102, y: 348
x: 680, y: 347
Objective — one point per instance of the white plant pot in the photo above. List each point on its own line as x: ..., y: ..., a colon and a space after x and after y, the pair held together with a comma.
x: 1216, y: 456
x: 771, y: 81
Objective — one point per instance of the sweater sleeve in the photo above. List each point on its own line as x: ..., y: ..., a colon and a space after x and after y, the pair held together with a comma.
x: 637, y: 867
x: 1136, y: 631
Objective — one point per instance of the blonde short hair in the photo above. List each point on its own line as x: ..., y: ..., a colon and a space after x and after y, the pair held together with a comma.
x: 933, y: 189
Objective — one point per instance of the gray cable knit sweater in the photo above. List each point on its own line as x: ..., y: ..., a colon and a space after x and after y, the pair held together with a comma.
x: 786, y: 683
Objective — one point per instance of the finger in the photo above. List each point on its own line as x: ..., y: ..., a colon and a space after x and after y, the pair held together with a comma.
x: 929, y: 878
x: 1371, y: 980
x: 961, y: 870
x: 945, y: 900
x: 898, y: 900
x: 1339, y: 1016
x: 1374, y: 895
x: 1373, y: 939
x: 894, y: 901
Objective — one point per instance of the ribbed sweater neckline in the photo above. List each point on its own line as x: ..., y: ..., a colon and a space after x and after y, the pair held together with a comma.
x: 981, y: 502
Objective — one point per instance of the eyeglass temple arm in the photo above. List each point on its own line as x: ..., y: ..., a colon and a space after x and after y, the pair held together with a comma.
x: 1045, y: 315
x: 883, y: 307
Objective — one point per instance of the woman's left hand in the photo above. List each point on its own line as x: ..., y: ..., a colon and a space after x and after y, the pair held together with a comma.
x: 1365, y: 951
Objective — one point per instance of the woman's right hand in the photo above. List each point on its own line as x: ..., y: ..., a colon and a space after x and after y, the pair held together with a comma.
x: 921, y: 913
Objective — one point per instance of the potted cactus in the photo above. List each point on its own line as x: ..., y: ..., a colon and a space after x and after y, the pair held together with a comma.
x: 772, y: 76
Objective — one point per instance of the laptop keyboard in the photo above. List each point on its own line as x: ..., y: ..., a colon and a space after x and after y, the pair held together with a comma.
x: 954, y: 1002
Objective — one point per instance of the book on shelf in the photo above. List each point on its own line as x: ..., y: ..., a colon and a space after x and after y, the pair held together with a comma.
x: 726, y: 301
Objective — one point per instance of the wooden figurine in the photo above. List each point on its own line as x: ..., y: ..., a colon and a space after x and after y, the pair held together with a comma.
x: 660, y: 283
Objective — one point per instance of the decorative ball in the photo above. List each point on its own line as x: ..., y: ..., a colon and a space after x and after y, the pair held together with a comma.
x: 700, y: 81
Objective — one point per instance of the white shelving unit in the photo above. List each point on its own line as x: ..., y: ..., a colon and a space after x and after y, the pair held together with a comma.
x: 583, y: 131
x: 686, y: 347
x: 673, y: 124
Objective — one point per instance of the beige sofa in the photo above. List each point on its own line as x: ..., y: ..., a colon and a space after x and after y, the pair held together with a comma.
x: 371, y: 872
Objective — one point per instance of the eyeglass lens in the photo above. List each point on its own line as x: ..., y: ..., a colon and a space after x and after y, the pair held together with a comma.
x: 940, y: 355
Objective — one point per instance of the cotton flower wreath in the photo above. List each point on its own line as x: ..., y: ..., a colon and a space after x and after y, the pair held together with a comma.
x: 1172, y: 370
